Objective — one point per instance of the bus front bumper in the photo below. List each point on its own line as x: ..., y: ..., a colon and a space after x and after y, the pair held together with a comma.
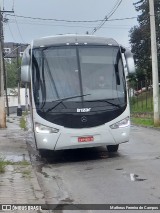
x: 82, y: 138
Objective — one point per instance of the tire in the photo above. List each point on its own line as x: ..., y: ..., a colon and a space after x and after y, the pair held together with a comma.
x: 112, y: 148
x: 43, y: 153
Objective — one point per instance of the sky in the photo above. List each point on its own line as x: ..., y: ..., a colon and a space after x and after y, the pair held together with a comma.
x: 24, y: 30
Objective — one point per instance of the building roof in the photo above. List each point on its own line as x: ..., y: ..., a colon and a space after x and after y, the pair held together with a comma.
x: 14, y: 49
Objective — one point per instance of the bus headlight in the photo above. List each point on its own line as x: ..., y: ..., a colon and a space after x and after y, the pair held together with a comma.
x: 121, y: 124
x: 45, y: 129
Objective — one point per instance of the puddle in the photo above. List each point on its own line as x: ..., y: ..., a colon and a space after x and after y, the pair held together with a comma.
x: 67, y: 200
x: 89, y: 168
x: 45, y: 174
x: 119, y: 169
x: 3, y: 135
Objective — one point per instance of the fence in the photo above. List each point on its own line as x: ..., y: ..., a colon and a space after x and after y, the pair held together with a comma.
x: 141, y: 97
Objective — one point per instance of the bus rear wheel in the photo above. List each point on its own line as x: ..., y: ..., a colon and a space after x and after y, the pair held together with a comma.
x: 112, y: 148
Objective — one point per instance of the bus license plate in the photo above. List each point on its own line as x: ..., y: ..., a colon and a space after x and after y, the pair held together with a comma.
x: 86, y: 139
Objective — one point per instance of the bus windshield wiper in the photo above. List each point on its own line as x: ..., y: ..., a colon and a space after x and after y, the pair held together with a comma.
x: 64, y: 99
x: 108, y: 102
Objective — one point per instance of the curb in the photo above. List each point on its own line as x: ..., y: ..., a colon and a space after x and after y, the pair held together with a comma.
x: 147, y: 127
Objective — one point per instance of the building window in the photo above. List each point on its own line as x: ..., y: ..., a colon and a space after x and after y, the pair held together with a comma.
x: 7, y: 50
x: 8, y: 60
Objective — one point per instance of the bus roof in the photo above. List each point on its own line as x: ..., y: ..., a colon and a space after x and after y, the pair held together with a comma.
x: 70, y: 39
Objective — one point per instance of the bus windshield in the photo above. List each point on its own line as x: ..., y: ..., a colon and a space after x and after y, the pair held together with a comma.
x: 66, y: 71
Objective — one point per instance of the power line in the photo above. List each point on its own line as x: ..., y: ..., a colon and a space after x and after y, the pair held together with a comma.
x: 62, y: 25
x: 54, y: 19
x: 116, y: 7
x: 107, y: 16
x: 70, y: 26
x: 122, y: 19
x: 17, y: 22
x: 10, y: 31
x: 71, y: 21
x: 3, y: 4
x: 13, y: 5
x: 113, y: 8
x: 19, y: 29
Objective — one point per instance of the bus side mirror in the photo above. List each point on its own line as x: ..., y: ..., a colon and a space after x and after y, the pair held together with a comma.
x: 25, y: 74
x: 129, y: 61
x: 25, y: 67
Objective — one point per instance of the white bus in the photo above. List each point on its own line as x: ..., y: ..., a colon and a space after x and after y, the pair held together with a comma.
x: 78, y: 91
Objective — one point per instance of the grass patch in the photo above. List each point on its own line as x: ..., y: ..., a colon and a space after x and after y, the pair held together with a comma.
x: 143, y: 121
x: 25, y: 113
x: 19, y: 163
x: 22, y: 163
x: 2, y: 165
x: 23, y: 123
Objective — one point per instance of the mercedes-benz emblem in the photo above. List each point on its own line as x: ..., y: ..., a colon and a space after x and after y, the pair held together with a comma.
x: 84, y: 119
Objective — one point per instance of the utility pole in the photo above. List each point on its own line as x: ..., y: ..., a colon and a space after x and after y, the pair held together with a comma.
x: 2, y: 103
x: 5, y: 87
x: 156, y: 100
x: 26, y: 97
x: 19, y: 109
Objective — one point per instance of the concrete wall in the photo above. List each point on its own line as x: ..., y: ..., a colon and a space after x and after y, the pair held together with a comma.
x: 13, y: 99
x: 14, y: 109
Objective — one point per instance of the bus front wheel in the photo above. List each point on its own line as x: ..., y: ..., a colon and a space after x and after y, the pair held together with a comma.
x: 43, y: 153
x: 112, y: 148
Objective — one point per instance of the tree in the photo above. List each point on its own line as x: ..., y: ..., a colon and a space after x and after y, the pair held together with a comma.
x: 12, y: 74
x: 140, y: 38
